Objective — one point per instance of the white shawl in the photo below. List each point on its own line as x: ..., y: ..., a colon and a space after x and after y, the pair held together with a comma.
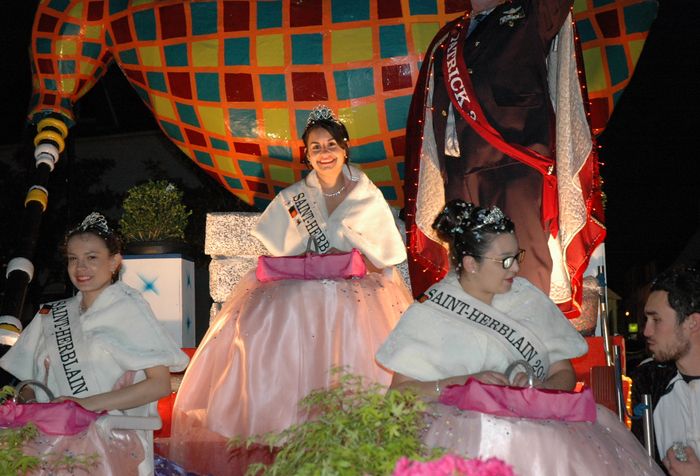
x: 363, y: 221
x: 427, y: 345
x: 119, y: 333
x: 115, y: 340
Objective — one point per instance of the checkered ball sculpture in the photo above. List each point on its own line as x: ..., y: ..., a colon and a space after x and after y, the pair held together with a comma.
x: 231, y: 83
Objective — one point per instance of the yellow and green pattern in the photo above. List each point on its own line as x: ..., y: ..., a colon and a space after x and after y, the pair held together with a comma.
x: 231, y: 83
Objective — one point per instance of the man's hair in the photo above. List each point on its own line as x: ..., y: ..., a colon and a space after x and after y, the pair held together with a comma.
x: 683, y: 287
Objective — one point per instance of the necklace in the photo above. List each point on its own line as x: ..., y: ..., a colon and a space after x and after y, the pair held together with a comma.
x: 82, y: 309
x: 334, y: 194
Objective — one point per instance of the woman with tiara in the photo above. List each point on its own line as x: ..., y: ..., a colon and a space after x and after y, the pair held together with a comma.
x: 102, y: 348
x: 475, y: 329
x: 274, y: 342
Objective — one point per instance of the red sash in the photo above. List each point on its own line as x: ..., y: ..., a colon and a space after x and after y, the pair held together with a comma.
x: 461, y: 93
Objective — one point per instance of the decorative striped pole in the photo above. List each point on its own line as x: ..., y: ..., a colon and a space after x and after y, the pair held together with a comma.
x: 48, y: 145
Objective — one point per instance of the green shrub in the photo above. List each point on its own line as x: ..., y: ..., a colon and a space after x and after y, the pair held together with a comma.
x: 356, y: 430
x: 154, y: 211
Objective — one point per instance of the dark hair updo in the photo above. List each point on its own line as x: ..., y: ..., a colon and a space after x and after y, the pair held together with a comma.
x: 682, y: 284
x: 470, y: 229
x: 96, y: 224
x: 323, y: 118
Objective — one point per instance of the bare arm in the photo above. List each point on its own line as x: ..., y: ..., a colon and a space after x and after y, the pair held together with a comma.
x: 561, y: 377
x: 432, y: 389
x: 155, y: 386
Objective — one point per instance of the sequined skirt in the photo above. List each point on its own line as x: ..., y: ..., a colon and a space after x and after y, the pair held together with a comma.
x: 273, y: 343
x: 541, y: 447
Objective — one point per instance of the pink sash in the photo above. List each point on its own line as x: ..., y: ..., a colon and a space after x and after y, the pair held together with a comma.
x: 461, y: 93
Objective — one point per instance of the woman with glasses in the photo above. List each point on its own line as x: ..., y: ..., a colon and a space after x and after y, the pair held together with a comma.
x: 481, y: 318
x: 274, y: 342
x: 458, y: 345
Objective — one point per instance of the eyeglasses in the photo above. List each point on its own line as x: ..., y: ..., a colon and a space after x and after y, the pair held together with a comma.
x: 508, y: 261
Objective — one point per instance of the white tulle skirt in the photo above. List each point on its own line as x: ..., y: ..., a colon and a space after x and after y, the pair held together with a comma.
x: 118, y: 452
x: 272, y: 344
x: 542, y: 447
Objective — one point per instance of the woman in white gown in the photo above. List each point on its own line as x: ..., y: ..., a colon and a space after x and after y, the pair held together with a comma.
x: 474, y: 324
x: 103, y: 349
x: 274, y: 342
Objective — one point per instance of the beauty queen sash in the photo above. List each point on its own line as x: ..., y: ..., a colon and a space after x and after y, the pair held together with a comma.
x: 64, y: 338
x: 461, y: 93
x: 306, y: 216
x: 515, y: 339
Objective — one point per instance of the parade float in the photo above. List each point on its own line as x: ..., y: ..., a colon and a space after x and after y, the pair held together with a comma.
x: 231, y: 83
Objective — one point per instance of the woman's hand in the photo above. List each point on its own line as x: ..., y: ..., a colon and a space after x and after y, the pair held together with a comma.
x: 522, y: 380
x: 561, y: 377
x: 430, y: 390
x: 491, y: 377
x: 433, y: 389
x: 27, y: 395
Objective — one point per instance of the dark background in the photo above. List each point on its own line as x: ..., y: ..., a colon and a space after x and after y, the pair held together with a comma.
x: 650, y: 166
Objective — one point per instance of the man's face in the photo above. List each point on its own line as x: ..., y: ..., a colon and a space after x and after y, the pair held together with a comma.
x: 667, y: 340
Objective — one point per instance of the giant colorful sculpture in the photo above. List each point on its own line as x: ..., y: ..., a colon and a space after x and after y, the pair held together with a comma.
x: 231, y: 82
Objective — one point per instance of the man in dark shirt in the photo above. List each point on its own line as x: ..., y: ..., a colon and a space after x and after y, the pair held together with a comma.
x: 672, y: 376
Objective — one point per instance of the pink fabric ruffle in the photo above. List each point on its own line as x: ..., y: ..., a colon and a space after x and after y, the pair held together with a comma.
x: 311, y: 266
x: 118, y: 452
x: 63, y: 418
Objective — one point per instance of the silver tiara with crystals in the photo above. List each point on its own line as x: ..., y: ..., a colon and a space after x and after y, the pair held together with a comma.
x: 493, y: 217
x: 322, y: 113
x: 93, y: 222
x: 474, y: 220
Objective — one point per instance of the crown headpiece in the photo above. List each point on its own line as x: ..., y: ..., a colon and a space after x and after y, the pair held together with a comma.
x: 94, y: 222
x: 474, y: 220
x: 492, y: 217
x: 321, y: 113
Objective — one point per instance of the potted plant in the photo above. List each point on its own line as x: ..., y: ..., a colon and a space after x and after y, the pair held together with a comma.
x: 153, y: 226
x: 154, y: 218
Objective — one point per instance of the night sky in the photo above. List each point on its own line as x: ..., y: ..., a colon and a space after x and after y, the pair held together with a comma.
x: 650, y: 166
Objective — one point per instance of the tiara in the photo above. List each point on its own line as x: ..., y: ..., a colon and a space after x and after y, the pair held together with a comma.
x: 322, y: 113
x: 93, y: 222
x: 473, y: 221
x: 492, y: 217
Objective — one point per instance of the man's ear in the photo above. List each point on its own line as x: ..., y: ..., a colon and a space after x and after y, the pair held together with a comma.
x: 693, y: 321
